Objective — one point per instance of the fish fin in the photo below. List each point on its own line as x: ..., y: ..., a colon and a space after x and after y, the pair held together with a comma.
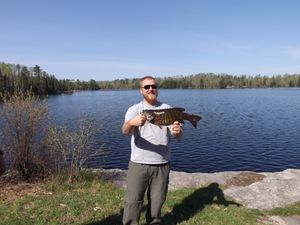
x: 194, y: 120
x: 178, y: 108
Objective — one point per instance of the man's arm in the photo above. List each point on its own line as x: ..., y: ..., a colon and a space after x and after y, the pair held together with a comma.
x: 129, y: 125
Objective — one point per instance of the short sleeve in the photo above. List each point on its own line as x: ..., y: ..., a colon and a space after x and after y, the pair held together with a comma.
x: 131, y: 112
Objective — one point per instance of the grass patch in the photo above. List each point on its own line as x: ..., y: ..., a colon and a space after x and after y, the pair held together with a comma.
x: 206, y: 205
x: 62, y: 203
x: 290, y: 210
x: 94, y: 202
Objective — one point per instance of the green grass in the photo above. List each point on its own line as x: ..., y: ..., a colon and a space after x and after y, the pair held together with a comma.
x: 206, y: 205
x: 290, y: 210
x: 93, y: 202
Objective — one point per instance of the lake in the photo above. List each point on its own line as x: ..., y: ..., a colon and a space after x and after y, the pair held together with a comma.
x: 241, y: 129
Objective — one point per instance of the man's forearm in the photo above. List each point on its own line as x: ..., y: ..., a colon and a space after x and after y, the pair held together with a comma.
x: 127, y: 128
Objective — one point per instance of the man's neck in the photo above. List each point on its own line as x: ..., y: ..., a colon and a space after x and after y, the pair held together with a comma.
x: 150, y: 103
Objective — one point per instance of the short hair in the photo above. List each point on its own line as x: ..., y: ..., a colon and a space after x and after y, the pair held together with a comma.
x: 146, y: 77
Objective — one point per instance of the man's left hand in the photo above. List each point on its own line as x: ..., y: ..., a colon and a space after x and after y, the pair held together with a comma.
x: 176, y: 129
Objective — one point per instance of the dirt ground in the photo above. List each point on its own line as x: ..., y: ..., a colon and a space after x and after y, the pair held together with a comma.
x: 244, y: 179
x: 10, y: 192
x: 13, y: 187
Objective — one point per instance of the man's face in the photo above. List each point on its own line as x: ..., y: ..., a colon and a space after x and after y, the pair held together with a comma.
x: 149, y: 91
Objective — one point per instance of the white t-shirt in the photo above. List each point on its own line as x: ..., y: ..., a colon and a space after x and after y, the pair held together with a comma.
x: 149, y: 143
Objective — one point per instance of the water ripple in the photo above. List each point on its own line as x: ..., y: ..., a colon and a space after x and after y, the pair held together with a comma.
x: 249, y: 129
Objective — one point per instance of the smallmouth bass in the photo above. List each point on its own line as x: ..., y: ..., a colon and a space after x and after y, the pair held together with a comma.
x: 165, y: 117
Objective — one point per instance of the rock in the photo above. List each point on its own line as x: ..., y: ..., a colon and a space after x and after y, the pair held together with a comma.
x: 179, y: 180
x: 116, y: 176
x: 275, y: 190
x: 279, y: 220
x: 291, y: 220
x: 261, y: 191
x: 272, y: 220
x: 245, y: 178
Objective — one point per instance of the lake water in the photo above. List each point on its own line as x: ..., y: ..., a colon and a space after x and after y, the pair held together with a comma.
x: 241, y: 129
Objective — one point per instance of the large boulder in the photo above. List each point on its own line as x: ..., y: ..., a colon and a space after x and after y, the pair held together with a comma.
x: 275, y: 190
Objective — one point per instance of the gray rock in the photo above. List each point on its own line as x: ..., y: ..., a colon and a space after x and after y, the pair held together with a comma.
x: 179, y: 180
x: 275, y: 190
x: 261, y: 191
x: 280, y: 220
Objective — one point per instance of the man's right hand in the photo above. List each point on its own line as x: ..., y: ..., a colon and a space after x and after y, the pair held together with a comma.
x: 139, y: 120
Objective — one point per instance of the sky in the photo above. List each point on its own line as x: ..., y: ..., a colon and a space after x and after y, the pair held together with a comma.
x: 117, y: 39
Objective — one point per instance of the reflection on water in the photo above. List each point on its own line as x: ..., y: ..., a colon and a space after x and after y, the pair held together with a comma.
x: 243, y: 129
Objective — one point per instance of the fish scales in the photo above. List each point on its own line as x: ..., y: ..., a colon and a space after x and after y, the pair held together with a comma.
x: 168, y: 117
x: 164, y: 117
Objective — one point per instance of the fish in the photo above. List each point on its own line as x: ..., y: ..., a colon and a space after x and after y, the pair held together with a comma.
x: 165, y: 117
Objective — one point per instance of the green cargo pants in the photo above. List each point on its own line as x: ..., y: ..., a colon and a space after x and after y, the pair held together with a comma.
x: 142, y: 177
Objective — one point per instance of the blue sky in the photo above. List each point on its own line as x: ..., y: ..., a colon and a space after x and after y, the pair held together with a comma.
x: 115, y: 39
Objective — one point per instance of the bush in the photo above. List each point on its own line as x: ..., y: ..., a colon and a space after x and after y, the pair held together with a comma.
x: 74, y: 147
x: 23, y: 120
x: 37, y: 148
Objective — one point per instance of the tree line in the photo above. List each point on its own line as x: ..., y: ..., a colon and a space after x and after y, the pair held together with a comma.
x: 210, y: 81
x: 21, y: 78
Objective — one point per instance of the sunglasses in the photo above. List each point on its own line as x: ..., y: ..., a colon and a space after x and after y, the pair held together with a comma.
x: 153, y: 86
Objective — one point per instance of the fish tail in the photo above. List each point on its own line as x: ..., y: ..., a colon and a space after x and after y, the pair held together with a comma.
x: 194, y: 119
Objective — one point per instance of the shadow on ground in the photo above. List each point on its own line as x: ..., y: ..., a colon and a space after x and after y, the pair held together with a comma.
x: 195, y: 202
x: 186, y: 209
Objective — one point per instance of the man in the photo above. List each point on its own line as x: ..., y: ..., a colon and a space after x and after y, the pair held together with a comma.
x: 149, y: 161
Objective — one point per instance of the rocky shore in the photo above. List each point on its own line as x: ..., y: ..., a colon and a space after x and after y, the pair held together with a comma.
x: 261, y: 191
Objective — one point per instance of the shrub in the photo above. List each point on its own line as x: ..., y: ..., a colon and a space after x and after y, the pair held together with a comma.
x: 23, y: 120
x: 35, y: 147
x: 75, y: 148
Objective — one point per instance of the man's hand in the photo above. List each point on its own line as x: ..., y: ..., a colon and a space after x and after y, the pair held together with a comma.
x: 137, y: 121
x: 176, y: 129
